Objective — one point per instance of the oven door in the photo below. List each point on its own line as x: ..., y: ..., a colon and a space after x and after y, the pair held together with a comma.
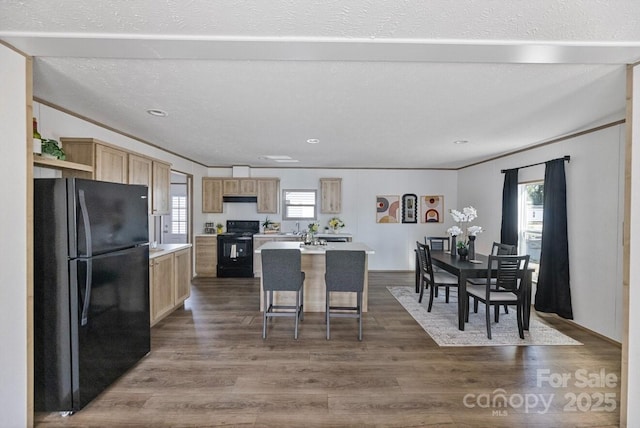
x: 235, y: 256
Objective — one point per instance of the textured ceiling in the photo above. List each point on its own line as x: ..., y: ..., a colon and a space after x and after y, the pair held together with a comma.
x: 380, y: 84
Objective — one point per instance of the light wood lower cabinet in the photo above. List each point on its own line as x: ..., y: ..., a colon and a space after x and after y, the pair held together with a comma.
x: 206, y: 255
x: 170, y: 282
x: 161, y: 278
x: 183, y: 275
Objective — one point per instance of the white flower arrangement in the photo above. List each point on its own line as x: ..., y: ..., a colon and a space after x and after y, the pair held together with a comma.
x: 313, y: 227
x: 335, y: 223
x: 467, y: 215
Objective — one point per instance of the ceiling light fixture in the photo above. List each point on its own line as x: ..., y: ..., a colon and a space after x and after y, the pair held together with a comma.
x: 157, y: 112
x: 313, y: 141
x: 461, y: 142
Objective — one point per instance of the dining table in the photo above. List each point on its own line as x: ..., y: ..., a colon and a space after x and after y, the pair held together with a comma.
x: 476, y: 268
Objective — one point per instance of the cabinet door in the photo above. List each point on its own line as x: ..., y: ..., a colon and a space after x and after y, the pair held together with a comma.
x: 330, y: 195
x: 141, y: 172
x: 231, y: 186
x: 211, y: 195
x: 183, y: 275
x: 111, y: 164
x: 206, y: 255
x: 161, y: 187
x: 162, y: 288
x: 247, y: 187
x: 268, y: 195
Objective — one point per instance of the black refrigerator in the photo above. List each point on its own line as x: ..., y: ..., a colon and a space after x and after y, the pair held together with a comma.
x: 91, y: 288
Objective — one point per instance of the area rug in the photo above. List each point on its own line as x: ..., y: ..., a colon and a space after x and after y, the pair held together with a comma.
x: 442, y: 323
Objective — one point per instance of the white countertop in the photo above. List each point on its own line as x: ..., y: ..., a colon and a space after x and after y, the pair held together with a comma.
x: 206, y: 234
x: 291, y: 235
x: 316, y: 249
x: 166, y: 249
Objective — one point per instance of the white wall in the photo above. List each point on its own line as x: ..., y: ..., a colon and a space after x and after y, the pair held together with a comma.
x: 595, y: 202
x: 633, y: 341
x: 393, y: 243
x: 13, y: 229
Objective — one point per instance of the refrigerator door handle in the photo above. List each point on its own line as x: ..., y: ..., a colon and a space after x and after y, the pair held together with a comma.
x: 85, y: 222
x: 87, y: 294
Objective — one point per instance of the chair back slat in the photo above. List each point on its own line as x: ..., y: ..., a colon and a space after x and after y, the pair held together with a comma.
x: 510, y: 270
x: 281, y: 269
x: 438, y: 243
x: 500, y: 249
x: 424, y: 258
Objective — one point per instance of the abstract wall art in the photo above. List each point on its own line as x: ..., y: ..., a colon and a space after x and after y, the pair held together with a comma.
x: 387, y: 209
x: 409, y: 208
x: 432, y: 209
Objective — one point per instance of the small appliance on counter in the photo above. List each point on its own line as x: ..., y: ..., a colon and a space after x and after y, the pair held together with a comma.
x: 235, y: 249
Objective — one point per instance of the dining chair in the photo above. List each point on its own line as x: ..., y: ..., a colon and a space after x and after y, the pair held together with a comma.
x: 345, y: 272
x: 438, y: 243
x: 497, y: 249
x: 505, y: 290
x: 281, y: 271
x: 430, y: 278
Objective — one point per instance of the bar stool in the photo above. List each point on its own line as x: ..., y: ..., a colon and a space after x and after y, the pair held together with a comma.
x: 344, y: 273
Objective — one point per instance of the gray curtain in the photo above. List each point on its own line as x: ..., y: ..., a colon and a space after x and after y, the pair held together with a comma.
x: 553, y: 293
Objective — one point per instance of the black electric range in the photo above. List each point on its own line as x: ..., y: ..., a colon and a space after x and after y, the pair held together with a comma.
x: 235, y: 249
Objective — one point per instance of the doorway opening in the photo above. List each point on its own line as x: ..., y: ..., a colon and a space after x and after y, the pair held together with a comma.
x: 176, y: 226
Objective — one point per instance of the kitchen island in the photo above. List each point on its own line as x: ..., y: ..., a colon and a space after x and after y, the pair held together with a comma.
x: 313, y: 265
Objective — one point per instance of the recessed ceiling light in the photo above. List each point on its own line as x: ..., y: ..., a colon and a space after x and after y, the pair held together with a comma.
x: 313, y: 141
x: 461, y: 142
x: 287, y: 160
x: 157, y: 112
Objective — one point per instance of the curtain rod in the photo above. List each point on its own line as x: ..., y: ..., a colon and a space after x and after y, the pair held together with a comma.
x: 566, y: 158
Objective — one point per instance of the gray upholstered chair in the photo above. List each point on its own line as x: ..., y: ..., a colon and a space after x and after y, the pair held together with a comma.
x: 430, y: 278
x: 505, y: 290
x: 281, y: 271
x: 345, y: 272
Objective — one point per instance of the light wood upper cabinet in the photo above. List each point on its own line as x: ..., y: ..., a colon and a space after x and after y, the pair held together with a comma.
x: 141, y: 172
x: 239, y: 186
x: 230, y: 187
x: 267, y: 190
x: 211, y: 195
x: 161, y: 188
x: 182, y: 289
x: 330, y: 195
x: 206, y: 253
x: 109, y: 163
x: 248, y: 187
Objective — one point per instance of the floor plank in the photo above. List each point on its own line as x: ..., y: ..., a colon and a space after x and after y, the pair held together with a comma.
x: 210, y: 367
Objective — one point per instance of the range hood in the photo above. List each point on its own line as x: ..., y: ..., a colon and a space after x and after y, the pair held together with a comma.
x: 239, y: 199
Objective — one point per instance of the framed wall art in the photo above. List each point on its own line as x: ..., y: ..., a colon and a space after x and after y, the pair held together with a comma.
x: 432, y: 209
x: 387, y: 209
x: 409, y: 208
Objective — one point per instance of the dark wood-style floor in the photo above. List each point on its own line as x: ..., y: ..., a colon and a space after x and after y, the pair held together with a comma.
x: 209, y: 366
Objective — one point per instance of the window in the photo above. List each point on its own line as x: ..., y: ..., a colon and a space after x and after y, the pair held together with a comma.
x: 179, y: 215
x: 531, y: 203
x: 299, y: 204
